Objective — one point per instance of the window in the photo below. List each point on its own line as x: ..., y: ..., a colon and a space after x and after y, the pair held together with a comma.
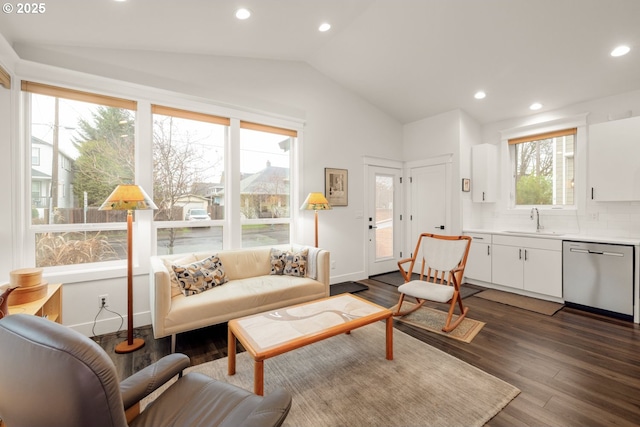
x: 218, y: 182
x: 84, y: 145
x: 544, y: 168
x: 265, y: 192
x: 188, y: 176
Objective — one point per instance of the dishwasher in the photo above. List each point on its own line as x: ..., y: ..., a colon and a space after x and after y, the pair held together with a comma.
x: 598, y: 277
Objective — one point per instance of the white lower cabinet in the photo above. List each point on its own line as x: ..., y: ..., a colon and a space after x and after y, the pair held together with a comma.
x: 531, y: 264
x: 479, y: 260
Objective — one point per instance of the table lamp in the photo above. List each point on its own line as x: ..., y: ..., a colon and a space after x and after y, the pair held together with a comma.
x: 129, y: 197
x: 316, y: 202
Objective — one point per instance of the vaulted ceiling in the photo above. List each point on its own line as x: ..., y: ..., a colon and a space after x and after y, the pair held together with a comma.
x: 411, y: 58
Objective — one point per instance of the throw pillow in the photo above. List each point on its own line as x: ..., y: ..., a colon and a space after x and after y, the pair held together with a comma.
x: 175, y: 287
x: 277, y: 261
x: 200, y: 276
x: 295, y: 263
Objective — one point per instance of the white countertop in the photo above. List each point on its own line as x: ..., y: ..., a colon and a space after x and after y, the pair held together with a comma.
x: 560, y: 236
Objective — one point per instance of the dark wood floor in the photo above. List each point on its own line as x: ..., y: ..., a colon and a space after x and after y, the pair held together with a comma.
x: 573, y: 368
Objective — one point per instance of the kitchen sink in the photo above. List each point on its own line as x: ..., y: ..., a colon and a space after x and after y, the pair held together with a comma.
x: 534, y: 233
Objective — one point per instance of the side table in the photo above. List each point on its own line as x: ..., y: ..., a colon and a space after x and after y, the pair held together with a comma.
x: 49, y: 307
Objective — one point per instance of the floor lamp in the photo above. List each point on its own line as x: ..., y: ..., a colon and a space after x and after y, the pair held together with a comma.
x: 316, y: 202
x: 129, y: 197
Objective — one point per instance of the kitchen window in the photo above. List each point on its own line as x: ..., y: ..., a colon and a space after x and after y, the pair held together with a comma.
x: 543, y: 168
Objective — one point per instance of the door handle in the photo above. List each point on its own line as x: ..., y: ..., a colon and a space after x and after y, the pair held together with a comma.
x: 372, y: 226
x: 439, y: 227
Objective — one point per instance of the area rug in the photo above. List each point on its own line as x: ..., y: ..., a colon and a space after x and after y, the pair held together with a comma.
x: 346, y: 381
x: 395, y: 279
x: 433, y: 320
x: 347, y: 287
x: 536, y: 305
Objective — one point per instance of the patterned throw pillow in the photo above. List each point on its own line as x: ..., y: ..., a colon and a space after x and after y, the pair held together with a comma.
x: 289, y: 263
x: 277, y: 261
x: 295, y: 263
x: 200, y: 276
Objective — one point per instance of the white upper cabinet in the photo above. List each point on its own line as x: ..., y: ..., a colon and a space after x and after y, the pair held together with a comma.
x: 614, y: 160
x: 483, y: 173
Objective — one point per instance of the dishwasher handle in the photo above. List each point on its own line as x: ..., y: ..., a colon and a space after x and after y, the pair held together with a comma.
x: 588, y: 251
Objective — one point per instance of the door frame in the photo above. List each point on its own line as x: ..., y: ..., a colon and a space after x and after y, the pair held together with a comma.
x: 398, y: 231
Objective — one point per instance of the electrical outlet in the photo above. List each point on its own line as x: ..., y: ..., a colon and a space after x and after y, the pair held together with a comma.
x: 103, y: 301
x: 594, y: 216
x: 333, y: 265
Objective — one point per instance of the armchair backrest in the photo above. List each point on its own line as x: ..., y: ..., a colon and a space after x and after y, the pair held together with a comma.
x: 446, y: 255
x: 53, y: 376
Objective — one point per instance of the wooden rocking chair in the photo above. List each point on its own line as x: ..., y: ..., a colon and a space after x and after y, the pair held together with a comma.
x: 442, y: 259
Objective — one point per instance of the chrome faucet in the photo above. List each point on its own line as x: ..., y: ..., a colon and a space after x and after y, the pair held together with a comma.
x: 538, y: 226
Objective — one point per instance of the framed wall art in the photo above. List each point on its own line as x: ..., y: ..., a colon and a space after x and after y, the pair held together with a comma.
x: 336, y: 186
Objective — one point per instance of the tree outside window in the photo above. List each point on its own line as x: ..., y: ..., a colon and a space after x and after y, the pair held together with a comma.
x: 544, y: 169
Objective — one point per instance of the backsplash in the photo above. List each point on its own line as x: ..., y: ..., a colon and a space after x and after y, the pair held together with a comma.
x: 619, y: 219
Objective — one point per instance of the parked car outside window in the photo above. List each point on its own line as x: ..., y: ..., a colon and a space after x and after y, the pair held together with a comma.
x: 197, y: 214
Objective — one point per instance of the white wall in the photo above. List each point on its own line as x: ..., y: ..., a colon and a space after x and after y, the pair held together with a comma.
x: 452, y: 133
x: 615, y: 219
x: 340, y: 129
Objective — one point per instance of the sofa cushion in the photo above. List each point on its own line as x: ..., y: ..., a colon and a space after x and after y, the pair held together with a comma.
x: 199, y: 276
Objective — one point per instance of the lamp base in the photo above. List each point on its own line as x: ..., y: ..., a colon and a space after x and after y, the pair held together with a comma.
x: 124, y: 346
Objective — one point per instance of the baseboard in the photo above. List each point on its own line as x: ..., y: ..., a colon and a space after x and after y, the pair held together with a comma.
x: 108, y: 325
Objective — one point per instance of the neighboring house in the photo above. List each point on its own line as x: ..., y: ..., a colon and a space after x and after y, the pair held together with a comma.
x: 265, y: 194
x: 42, y: 177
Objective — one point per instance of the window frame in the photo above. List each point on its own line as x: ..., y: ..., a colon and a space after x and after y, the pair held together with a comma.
x: 541, y: 125
x: 513, y: 145
x: 145, y: 228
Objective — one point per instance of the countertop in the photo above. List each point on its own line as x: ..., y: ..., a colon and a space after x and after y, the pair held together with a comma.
x: 560, y: 236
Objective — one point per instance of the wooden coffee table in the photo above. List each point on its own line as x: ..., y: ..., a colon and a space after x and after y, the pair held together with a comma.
x: 269, y: 334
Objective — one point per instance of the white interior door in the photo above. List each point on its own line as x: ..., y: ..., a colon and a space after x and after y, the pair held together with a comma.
x: 383, y: 219
x: 428, y: 201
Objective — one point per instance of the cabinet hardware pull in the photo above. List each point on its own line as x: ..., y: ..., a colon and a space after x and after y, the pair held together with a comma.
x: 519, y: 253
x: 488, y: 250
x: 525, y: 254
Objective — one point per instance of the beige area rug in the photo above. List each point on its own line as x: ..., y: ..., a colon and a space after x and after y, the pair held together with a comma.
x: 433, y: 320
x: 346, y: 381
x: 536, y: 305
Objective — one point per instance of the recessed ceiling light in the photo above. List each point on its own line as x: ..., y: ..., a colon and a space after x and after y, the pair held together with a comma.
x: 535, y: 106
x: 620, y: 51
x: 243, y: 13
x: 324, y: 27
x: 480, y: 95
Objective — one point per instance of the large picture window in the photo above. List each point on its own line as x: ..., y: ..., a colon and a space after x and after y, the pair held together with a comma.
x: 265, y: 190
x: 82, y: 145
x: 188, y: 179
x: 544, y: 168
x: 85, y: 147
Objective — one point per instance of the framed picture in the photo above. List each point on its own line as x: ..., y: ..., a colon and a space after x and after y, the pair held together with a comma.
x: 336, y: 186
x: 466, y: 185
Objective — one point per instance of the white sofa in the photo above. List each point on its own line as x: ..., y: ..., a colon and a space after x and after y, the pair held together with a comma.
x: 251, y: 289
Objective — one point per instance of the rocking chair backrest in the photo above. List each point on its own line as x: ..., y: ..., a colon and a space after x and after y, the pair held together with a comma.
x: 442, y: 255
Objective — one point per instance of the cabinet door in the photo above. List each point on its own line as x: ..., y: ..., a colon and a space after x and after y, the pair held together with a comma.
x: 479, y: 261
x: 614, y: 170
x: 506, y: 262
x: 543, y: 272
x: 483, y: 173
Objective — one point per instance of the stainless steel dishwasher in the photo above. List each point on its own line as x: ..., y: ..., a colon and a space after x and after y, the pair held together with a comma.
x: 599, y: 277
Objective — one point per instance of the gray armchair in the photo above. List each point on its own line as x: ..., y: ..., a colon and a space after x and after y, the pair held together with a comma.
x: 52, y: 376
